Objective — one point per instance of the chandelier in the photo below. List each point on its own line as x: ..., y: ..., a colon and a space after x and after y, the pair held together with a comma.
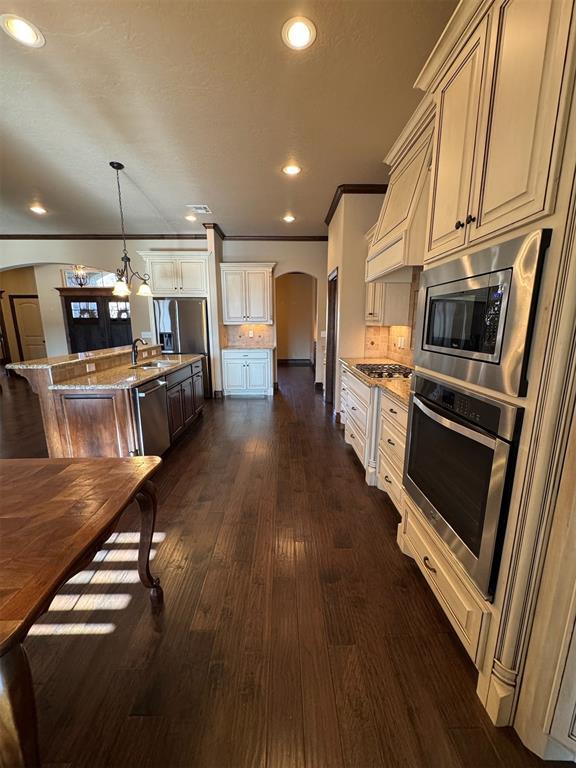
x: 79, y: 275
x: 125, y: 275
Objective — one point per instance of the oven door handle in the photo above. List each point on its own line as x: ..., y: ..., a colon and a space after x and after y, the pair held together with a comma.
x: 478, y: 437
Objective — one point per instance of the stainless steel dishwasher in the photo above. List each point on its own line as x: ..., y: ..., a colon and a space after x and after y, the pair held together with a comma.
x: 152, y: 415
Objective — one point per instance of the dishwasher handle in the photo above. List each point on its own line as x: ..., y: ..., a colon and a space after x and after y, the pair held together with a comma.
x: 154, y: 389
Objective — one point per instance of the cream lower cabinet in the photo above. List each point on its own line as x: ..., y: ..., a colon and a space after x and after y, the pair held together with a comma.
x: 499, y: 124
x: 359, y: 412
x: 178, y: 277
x: 391, y: 447
x: 247, y: 372
x: 465, y: 608
x: 246, y: 293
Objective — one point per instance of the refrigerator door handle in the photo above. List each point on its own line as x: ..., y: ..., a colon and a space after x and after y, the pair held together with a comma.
x: 177, y: 339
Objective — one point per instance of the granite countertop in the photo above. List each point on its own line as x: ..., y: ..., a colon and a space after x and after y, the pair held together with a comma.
x: 244, y: 347
x: 125, y: 377
x: 53, y: 362
x: 398, y: 388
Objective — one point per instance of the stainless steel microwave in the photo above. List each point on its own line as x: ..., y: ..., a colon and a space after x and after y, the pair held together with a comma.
x: 475, y: 314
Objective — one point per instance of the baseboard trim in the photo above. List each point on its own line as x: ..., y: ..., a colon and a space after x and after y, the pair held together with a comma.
x: 218, y: 394
x: 294, y: 361
x: 318, y: 386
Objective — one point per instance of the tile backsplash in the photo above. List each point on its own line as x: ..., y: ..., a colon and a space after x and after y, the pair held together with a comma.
x: 384, y: 340
x: 238, y: 335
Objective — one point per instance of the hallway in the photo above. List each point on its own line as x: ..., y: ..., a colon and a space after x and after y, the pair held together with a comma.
x: 295, y: 634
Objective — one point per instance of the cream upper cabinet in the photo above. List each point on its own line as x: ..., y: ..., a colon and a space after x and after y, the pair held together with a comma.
x: 399, y: 235
x: 387, y: 303
x: 163, y: 276
x: 246, y: 293
x: 457, y: 101
x: 499, y: 125
x: 519, y: 114
x: 177, y: 276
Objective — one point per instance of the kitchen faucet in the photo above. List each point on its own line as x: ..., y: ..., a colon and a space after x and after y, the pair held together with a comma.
x: 135, y: 349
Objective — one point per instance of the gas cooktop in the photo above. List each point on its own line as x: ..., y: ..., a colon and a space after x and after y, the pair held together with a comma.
x: 385, y: 370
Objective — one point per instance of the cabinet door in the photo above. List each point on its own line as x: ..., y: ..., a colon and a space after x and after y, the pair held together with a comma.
x: 198, y: 384
x: 369, y: 305
x: 188, y: 399
x: 233, y: 297
x: 234, y: 372
x: 193, y: 277
x: 513, y: 178
x: 258, y: 296
x: 175, y: 410
x: 396, y: 304
x: 457, y: 101
x: 164, y: 278
x: 257, y: 374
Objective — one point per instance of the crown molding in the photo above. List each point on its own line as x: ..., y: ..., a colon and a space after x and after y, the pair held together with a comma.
x: 352, y: 189
x: 154, y: 236
x: 216, y: 227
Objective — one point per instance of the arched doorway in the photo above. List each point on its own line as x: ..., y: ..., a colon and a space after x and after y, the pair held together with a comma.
x: 296, y: 319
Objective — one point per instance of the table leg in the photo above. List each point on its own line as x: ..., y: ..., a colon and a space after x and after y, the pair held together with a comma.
x: 148, y: 504
x: 18, y: 725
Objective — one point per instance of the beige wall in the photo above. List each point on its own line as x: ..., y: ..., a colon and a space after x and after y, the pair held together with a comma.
x: 309, y: 257
x: 13, y: 282
x: 295, y: 316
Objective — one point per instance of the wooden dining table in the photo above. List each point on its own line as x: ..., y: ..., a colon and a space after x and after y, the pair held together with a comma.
x: 55, y: 514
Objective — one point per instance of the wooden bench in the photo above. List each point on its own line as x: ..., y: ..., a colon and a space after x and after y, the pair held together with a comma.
x: 55, y: 514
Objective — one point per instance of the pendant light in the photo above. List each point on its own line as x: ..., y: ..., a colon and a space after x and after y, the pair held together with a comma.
x: 125, y: 275
x: 79, y: 275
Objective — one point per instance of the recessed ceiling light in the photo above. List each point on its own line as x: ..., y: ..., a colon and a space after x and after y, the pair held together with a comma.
x: 21, y: 30
x: 291, y: 170
x: 299, y: 33
x: 190, y: 217
x: 37, y: 208
x: 289, y: 218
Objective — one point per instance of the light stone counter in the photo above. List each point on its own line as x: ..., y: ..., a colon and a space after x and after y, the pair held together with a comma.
x: 398, y: 388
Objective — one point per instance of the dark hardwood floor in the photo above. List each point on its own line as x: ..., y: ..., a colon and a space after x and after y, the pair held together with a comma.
x: 21, y: 432
x: 295, y: 634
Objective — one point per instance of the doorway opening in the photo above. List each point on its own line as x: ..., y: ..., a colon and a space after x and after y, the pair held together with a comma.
x: 331, y: 337
x: 296, y: 319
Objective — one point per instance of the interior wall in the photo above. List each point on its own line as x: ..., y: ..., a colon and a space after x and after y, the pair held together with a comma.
x: 14, y: 282
x: 309, y: 257
x: 295, y: 316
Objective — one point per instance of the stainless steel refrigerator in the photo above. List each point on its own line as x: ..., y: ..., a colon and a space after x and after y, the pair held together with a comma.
x: 182, y: 328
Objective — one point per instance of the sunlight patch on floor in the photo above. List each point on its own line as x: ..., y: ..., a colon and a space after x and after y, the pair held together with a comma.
x: 90, y: 602
x: 120, y: 555
x: 133, y: 537
x: 80, y: 628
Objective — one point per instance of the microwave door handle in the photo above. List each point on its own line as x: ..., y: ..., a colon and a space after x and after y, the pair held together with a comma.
x: 478, y: 437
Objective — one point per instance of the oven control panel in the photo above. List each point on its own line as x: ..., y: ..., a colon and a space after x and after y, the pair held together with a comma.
x: 468, y: 407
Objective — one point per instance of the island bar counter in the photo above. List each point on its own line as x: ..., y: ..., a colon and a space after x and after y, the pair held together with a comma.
x: 87, y: 399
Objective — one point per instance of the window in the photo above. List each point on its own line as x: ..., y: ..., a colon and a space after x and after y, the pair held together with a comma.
x: 95, y: 279
x: 84, y: 310
x: 119, y: 310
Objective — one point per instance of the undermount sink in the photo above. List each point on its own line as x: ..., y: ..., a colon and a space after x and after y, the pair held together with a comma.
x: 152, y: 366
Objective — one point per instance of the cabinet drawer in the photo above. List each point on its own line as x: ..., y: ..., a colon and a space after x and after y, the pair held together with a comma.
x: 245, y: 354
x: 197, y: 367
x: 178, y: 376
x: 390, y: 480
x: 396, y: 413
x: 358, y: 388
x: 356, y: 439
x: 358, y: 411
x: 468, y: 614
x: 392, y: 444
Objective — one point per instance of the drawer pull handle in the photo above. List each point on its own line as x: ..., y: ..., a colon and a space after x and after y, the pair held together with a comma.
x: 390, y: 442
x: 353, y: 408
x: 393, y: 411
x: 387, y: 479
x: 353, y: 435
x: 470, y: 218
x: 459, y: 224
x: 427, y: 564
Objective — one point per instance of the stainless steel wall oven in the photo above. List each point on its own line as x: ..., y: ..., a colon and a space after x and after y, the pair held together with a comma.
x: 475, y: 314
x: 459, y: 467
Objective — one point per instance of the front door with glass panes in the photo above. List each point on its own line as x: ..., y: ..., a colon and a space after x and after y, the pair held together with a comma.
x: 96, y: 322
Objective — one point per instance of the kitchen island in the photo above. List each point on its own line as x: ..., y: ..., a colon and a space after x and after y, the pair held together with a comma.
x: 94, y: 403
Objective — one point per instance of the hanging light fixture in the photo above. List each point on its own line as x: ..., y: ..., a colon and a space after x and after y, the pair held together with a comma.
x: 79, y: 275
x: 125, y: 274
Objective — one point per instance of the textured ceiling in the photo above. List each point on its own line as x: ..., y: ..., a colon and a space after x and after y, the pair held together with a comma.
x: 203, y: 104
